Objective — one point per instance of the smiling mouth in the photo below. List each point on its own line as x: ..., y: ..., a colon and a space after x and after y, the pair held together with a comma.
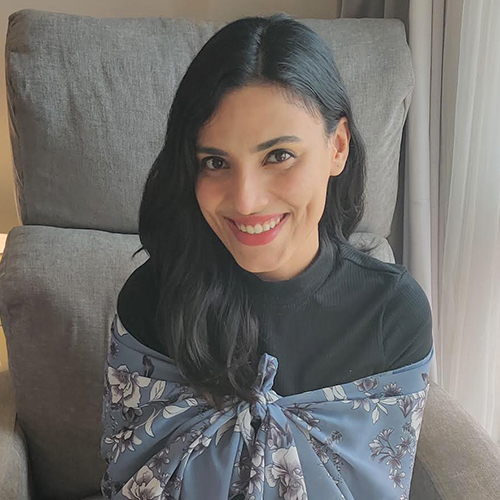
x: 280, y: 219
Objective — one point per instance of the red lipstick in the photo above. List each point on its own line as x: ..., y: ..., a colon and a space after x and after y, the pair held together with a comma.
x: 258, y: 239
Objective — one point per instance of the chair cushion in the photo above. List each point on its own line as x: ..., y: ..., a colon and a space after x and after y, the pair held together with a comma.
x: 56, y: 312
x: 83, y: 146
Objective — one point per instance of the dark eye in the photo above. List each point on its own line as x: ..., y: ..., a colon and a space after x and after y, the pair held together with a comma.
x: 279, y: 154
x: 206, y: 160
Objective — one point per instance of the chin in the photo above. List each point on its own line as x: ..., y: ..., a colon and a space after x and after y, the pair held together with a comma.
x: 256, y: 265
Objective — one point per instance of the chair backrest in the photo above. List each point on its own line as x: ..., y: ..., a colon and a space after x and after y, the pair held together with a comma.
x: 88, y: 104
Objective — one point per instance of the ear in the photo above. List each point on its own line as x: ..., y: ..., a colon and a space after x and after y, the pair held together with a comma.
x: 340, y: 147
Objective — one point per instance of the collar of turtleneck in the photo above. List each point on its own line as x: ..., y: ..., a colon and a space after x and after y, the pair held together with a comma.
x: 271, y: 294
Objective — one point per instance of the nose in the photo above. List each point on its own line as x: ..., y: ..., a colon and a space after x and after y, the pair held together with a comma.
x: 249, y: 192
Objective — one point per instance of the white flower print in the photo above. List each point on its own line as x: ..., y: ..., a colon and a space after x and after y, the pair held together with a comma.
x: 142, y: 486
x: 418, y: 414
x: 122, y: 440
x: 335, y: 392
x: 125, y: 386
x: 286, y: 472
x: 120, y: 329
x: 256, y: 478
x: 397, y: 477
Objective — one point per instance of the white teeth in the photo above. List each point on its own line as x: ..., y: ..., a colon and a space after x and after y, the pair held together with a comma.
x: 258, y: 228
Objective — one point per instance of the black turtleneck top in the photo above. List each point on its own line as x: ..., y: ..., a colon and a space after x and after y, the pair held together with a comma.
x: 348, y: 315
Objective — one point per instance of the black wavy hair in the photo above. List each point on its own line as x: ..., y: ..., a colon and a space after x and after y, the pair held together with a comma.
x: 203, y: 313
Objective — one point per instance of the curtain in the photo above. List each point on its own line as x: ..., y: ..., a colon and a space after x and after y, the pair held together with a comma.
x: 451, y: 182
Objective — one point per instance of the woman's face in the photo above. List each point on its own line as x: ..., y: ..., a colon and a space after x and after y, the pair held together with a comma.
x: 241, y: 176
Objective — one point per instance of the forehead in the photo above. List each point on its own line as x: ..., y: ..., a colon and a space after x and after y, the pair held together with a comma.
x: 254, y: 114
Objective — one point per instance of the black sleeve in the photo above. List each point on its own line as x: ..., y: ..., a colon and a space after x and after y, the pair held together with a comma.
x: 136, y: 306
x: 406, y: 324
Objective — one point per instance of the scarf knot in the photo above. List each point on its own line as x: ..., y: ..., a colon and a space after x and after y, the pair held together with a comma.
x: 268, y: 365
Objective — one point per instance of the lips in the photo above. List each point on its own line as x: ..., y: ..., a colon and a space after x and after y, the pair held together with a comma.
x: 257, y: 239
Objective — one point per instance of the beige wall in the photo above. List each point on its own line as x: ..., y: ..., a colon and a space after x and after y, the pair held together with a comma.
x: 196, y: 9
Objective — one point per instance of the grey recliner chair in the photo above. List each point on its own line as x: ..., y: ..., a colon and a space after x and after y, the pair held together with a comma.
x: 88, y: 103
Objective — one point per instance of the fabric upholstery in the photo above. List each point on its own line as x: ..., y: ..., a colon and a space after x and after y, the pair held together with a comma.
x: 457, y: 459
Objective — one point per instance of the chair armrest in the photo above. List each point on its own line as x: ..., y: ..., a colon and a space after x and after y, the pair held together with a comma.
x: 456, y: 458
x: 14, y: 477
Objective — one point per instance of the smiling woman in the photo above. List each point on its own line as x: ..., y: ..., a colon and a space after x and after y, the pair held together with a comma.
x: 246, y: 215
x: 258, y: 88
x: 248, y: 181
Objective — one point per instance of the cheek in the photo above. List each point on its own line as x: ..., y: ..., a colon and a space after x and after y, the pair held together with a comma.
x: 303, y: 190
x: 206, y: 194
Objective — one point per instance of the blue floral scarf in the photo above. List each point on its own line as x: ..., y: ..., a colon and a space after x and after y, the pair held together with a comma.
x: 354, y: 441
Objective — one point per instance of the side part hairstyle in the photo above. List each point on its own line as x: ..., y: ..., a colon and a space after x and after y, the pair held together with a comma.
x: 203, y: 314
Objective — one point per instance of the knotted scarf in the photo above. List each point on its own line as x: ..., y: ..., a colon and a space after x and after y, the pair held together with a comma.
x: 354, y: 441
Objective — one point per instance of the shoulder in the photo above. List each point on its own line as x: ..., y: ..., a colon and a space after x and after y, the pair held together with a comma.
x: 407, y: 300
x: 139, y: 283
x: 369, y: 263
x: 137, y: 300
x: 141, y: 275
x: 406, y: 327
x: 369, y: 276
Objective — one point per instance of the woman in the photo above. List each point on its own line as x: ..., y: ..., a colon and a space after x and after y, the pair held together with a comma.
x: 246, y: 215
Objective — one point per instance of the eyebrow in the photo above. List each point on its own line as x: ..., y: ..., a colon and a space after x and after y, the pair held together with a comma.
x: 260, y: 147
